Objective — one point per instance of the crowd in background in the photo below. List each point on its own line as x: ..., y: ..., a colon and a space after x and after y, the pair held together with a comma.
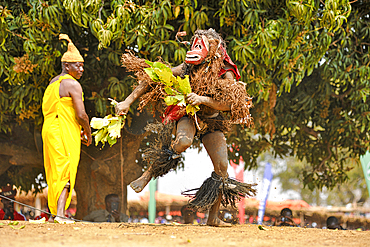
x: 112, y: 213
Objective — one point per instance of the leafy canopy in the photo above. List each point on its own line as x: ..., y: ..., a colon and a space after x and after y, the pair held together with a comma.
x: 304, y: 62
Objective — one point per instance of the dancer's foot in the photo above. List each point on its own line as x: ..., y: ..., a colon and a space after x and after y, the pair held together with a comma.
x: 139, y: 184
x: 63, y: 221
x: 215, y: 221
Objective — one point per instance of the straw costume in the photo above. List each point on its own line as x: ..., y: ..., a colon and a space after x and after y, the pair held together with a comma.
x: 206, y: 64
x: 61, y: 134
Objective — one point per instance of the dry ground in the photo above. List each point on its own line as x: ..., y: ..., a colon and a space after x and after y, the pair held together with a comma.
x: 154, y: 235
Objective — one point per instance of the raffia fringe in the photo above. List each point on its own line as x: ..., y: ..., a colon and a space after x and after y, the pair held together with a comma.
x: 232, y: 191
x: 160, y: 156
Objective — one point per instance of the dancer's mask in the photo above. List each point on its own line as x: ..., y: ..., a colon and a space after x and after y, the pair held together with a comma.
x: 199, y: 51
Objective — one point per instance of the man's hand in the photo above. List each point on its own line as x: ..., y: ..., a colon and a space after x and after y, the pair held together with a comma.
x: 122, y: 108
x: 194, y: 99
x: 116, y: 215
x: 86, y: 138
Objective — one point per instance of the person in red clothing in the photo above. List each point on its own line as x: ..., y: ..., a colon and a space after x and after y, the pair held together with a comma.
x: 8, y: 212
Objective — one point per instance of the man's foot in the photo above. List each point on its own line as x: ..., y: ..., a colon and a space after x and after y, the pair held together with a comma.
x: 139, y: 184
x: 51, y: 219
x: 63, y: 221
x: 215, y: 221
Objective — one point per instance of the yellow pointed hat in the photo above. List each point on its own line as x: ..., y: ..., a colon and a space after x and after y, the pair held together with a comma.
x: 72, y: 55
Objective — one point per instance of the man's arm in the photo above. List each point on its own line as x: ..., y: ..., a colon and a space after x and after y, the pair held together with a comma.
x: 290, y: 221
x: 75, y: 91
x: 123, y: 107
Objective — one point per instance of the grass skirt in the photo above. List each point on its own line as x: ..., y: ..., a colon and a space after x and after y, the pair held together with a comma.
x: 160, y: 157
x: 232, y: 191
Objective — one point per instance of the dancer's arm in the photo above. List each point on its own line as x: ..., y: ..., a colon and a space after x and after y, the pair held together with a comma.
x: 195, y: 99
x: 123, y: 107
x: 177, y: 71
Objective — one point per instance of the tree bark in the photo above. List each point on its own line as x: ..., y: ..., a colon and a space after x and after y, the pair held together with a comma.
x: 99, y: 172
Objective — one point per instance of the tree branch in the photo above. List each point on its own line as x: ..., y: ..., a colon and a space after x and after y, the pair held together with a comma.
x: 21, y: 156
x: 327, y: 157
x: 341, y: 96
x: 309, y: 131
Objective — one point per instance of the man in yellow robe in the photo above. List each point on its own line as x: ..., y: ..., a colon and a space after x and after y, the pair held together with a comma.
x: 64, y: 115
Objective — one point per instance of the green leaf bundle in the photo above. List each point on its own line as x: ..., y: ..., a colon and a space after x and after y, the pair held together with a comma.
x: 108, y: 128
x: 176, y: 88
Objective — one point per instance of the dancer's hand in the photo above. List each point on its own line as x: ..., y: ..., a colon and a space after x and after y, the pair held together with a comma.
x: 122, y: 108
x: 194, y: 99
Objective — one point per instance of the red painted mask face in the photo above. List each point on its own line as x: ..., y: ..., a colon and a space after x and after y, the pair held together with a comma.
x: 198, y: 52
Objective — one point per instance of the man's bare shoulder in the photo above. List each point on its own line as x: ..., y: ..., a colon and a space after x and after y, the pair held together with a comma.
x: 54, y: 79
x: 70, y: 88
x: 71, y: 83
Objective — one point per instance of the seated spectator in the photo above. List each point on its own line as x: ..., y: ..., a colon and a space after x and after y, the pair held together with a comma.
x: 42, y: 215
x: 285, y: 218
x: 332, y: 223
x: 30, y: 215
x: 8, y: 212
x: 187, y: 214
x: 45, y: 215
x: 111, y: 213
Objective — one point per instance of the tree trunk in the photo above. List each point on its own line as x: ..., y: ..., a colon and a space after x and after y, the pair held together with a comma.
x: 101, y: 171
x: 107, y: 171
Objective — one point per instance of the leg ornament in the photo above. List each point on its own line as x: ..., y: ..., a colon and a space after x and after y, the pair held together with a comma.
x: 160, y: 156
x: 231, y: 190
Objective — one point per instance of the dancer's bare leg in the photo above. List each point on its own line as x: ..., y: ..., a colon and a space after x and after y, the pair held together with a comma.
x: 184, y: 138
x: 213, y: 219
x: 139, y: 184
x: 184, y: 135
x: 61, y: 207
x: 215, y: 144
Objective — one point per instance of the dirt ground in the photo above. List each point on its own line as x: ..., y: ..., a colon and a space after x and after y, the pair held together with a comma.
x: 155, y: 235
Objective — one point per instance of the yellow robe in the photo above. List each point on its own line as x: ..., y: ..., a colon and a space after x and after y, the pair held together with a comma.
x: 61, y: 134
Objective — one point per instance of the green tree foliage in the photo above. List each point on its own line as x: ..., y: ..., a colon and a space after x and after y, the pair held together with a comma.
x: 304, y: 62
x: 352, y: 191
